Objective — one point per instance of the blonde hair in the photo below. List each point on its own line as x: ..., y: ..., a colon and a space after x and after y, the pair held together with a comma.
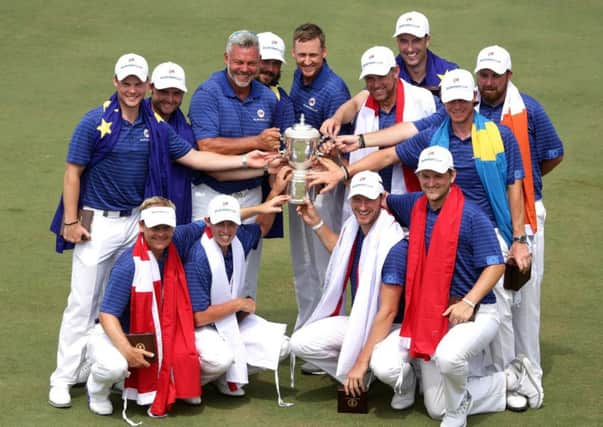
x: 157, y: 201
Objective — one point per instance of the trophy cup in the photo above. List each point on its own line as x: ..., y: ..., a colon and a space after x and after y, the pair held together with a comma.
x: 301, y: 143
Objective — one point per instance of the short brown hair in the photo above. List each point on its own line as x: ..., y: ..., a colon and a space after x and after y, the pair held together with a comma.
x: 307, y: 32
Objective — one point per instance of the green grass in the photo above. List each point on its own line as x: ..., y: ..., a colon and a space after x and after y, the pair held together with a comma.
x: 57, y: 63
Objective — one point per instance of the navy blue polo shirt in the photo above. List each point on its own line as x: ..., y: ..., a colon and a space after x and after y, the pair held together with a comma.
x: 466, y: 173
x: 478, y: 245
x: 117, y: 182
x: 198, y: 272
x: 216, y: 111
x: 319, y: 99
x: 116, y: 300
x: 393, y: 272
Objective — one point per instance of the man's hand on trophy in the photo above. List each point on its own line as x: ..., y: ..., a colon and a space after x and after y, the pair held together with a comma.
x: 274, y: 205
x: 281, y: 179
x: 269, y: 140
x: 347, y: 143
x: 257, y: 159
x: 308, y: 213
x: 275, y: 165
x: 326, y: 173
x: 330, y: 127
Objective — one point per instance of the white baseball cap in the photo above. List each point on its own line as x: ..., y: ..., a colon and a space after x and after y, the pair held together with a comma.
x: 271, y: 47
x: 378, y: 61
x: 493, y: 58
x: 367, y: 184
x: 131, y: 64
x: 168, y: 74
x: 414, y: 23
x: 158, y: 215
x: 435, y: 158
x: 224, y: 208
x: 457, y: 84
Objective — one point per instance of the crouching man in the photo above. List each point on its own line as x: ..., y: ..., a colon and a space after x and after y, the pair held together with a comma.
x: 450, y: 316
x: 330, y: 339
x: 232, y: 341
x: 147, y: 293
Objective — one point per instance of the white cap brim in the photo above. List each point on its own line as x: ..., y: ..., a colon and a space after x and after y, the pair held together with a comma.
x: 158, y: 215
x: 374, y: 70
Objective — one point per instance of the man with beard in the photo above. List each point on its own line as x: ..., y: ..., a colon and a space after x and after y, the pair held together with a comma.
x: 387, y: 100
x: 541, y: 150
x: 272, y: 57
x: 233, y: 113
x: 168, y: 86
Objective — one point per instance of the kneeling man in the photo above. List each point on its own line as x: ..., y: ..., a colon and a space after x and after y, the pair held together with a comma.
x: 232, y: 341
x: 330, y: 339
x: 450, y: 316
x: 147, y: 293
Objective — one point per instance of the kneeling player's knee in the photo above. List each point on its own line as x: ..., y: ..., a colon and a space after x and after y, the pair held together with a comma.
x: 115, y: 372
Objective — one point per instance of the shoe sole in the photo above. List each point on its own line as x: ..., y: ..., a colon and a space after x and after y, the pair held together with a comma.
x: 59, y: 405
x: 532, y: 378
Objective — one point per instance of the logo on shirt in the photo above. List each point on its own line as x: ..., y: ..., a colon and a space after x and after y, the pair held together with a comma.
x: 145, y: 133
x: 312, y: 102
x: 261, y: 113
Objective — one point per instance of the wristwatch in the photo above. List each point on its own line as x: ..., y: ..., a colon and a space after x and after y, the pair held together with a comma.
x: 521, y: 239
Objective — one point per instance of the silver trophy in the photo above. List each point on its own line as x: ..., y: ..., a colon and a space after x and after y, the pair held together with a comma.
x: 301, y: 143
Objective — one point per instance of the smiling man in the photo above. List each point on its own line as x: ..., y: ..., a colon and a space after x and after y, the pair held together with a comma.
x: 118, y: 153
x: 450, y: 317
x: 330, y: 339
x: 168, y: 86
x: 387, y: 100
x: 233, y: 113
x: 147, y: 293
x: 232, y: 341
x: 489, y: 172
x: 316, y: 92
x: 419, y: 66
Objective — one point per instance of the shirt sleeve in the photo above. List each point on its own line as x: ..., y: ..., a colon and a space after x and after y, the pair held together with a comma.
x: 178, y: 146
x: 409, y: 151
x: 394, y: 266
x: 81, y: 146
x: 119, y: 287
x: 249, y: 235
x: 204, y: 112
x: 401, y: 206
x: 546, y: 142
x: 434, y: 119
x: 185, y: 236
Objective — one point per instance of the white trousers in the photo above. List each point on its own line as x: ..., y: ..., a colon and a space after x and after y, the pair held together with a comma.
x: 445, y: 378
x: 91, y: 264
x: 526, y: 312
x: 108, y: 365
x: 202, y: 194
x: 309, y: 257
x: 320, y: 342
x: 216, y: 355
x: 389, y: 358
x: 502, y: 347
